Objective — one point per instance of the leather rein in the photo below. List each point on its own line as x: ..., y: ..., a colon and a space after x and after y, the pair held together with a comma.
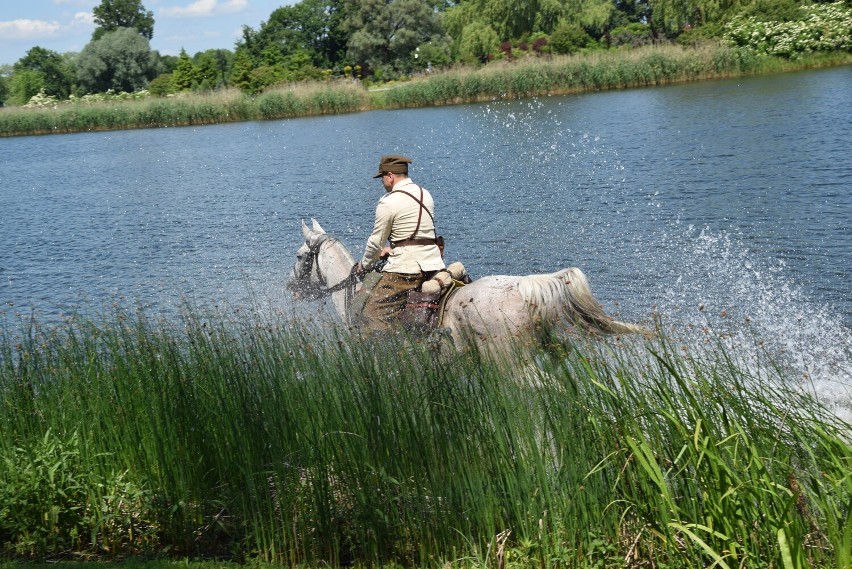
x: 321, y: 289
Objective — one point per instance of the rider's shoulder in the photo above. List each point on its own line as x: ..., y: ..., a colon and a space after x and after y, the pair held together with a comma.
x: 397, y: 194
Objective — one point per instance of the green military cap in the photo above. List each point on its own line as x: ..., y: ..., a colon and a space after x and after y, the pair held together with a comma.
x: 393, y: 163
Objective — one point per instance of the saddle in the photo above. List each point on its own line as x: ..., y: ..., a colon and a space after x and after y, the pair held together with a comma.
x: 424, y: 308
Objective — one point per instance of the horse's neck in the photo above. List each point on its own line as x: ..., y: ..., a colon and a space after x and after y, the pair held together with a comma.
x: 335, y: 264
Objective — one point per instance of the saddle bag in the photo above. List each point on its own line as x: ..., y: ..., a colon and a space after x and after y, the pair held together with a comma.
x: 421, y: 310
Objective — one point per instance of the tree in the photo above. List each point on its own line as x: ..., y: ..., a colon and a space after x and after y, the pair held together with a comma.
x: 111, y: 15
x: 773, y: 10
x: 185, y: 74
x: 512, y: 20
x: 478, y: 42
x: 23, y: 85
x: 5, y: 71
x: 310, y: 26
x: 241, y: 70
x: 569, y: 37
x: 213, y: 67
x: 386, y: 33
x: 121, y: 60
x: 671, y: 16
x: 168, y: 62
x: 297, y: 42
x: 508, y: 18
x: 57, y: 77
x: 596, y: 17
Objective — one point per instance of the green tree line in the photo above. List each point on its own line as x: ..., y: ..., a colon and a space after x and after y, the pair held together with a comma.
x: 383, y: 40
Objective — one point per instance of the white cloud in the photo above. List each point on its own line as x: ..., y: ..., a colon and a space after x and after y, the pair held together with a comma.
x: 24, y: 29
x: 203, y: 8
x: 29, y: 29
x: 83, y: 19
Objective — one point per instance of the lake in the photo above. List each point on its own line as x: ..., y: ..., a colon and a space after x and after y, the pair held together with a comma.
x: 720, y: 204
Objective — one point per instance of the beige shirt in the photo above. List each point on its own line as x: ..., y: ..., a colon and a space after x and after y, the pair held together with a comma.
x: 396, y: 220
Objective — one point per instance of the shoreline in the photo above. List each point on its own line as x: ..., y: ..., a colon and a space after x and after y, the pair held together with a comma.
x: 552, y: 76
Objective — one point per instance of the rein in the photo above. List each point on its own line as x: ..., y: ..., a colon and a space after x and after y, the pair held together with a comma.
x: 322, y: 289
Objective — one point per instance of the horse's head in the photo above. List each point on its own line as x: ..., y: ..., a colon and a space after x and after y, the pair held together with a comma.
x: 310, y: 277
x: 305, y: 281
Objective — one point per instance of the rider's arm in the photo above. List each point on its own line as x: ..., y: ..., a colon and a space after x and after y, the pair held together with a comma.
x: 381, y: 233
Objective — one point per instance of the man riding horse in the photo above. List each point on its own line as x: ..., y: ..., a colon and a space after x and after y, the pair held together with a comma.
x: 405, y: 217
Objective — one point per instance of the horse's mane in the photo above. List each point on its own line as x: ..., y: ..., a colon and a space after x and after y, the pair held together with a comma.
x: 339, y: 247
x: 565, y: 295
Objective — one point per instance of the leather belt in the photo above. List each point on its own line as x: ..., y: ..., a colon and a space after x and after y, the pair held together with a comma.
x: 418, y: 241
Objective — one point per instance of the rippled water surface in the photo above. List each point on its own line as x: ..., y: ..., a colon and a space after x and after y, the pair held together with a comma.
x: 695, y: 201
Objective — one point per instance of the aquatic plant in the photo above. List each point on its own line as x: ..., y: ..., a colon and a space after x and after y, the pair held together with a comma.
x: 241, y: 436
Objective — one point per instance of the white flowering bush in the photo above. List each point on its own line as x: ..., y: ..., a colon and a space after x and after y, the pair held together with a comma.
x: 110, y: 95
x: 823, y: 27
x: 41, y: 99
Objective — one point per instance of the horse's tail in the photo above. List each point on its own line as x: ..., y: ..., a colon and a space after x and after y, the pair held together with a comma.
x: 565, y: 295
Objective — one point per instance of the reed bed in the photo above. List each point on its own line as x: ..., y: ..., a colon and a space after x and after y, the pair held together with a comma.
x: 651, y: 66
x: 185, y: 110
x: 237, y: 438
x: 500, y: 80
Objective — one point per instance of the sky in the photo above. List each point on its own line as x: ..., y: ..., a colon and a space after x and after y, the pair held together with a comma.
x: 66, y: 25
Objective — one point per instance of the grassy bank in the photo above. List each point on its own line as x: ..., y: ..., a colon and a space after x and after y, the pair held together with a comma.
x: 533, y: 77
x: 229, y: 437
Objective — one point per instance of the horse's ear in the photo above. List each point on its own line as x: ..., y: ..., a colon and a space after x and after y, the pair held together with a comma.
x: 317, y: 227
x: 305, y: 231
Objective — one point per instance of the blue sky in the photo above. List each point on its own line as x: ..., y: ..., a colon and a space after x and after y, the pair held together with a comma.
x: 66, y: 25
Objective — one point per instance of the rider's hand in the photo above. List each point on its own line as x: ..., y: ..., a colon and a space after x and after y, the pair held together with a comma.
x: 385, y: 253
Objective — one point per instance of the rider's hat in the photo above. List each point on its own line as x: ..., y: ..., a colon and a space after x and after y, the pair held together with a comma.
x: 393, y: 163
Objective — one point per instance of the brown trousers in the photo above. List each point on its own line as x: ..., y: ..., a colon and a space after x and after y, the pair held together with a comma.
x: 387, y: 300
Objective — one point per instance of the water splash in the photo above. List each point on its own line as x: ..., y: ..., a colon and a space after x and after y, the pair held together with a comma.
x: 625, y: 208
x: 751, y: 305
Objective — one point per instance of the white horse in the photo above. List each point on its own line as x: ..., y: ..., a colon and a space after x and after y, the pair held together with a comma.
x: 494, y: 310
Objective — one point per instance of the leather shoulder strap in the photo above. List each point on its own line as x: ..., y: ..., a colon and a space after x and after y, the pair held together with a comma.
x: 420, y: 214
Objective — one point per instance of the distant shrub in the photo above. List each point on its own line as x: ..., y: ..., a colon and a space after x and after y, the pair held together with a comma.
x: 634, y: 35
x: 161, y: 85
x: 569, y: 38
x: 700, y: 35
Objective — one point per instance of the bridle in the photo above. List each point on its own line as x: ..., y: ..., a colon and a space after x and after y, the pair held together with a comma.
x: 320, y: 289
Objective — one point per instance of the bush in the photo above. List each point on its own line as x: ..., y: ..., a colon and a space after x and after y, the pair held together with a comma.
x: 161, y: 85
x: 24, y: 85
x: 569, y: 38
x: 632, y: 35
x: 701, y: 35
x: 478, y: 42
x: 821, y: 27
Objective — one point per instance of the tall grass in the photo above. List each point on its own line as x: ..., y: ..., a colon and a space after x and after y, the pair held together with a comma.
x: 197, y: 109
x: 237, y: 438
x: 536, y: 77
x: 591, y: 72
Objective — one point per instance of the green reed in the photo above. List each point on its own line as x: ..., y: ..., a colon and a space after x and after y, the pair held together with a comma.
x: 185, y: 110
x: 236, y: 437
x: 589, y: 72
